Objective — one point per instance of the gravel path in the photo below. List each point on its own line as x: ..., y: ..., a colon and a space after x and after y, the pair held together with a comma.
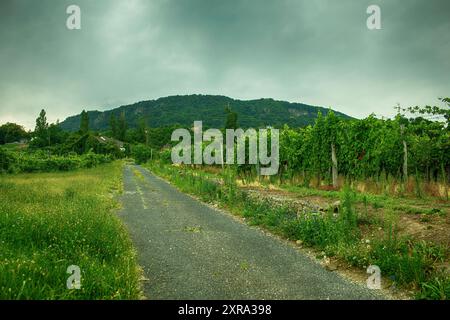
x: 191, y: 251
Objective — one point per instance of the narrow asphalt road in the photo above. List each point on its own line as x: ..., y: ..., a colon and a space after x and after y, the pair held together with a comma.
x: 191, y: 251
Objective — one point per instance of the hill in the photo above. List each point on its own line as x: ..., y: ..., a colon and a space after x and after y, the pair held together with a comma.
x: 184, y: 110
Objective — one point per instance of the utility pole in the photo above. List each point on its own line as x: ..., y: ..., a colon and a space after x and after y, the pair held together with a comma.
x: 405, y: 147
x: 221, y: 156
x: 334, y: 165
x: 405, y: 154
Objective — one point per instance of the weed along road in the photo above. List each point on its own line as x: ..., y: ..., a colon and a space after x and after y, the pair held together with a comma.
x: 191, y: 251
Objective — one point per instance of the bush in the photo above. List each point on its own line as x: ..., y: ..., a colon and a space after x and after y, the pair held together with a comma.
x: 165, y: 156
x: 7, y: 161
x: 141, y: 153
x: 41, y: 161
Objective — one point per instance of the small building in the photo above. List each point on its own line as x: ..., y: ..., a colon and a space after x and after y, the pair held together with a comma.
x: 118, y: 143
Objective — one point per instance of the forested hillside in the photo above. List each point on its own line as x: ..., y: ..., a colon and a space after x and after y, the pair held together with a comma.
x: 183, y: 110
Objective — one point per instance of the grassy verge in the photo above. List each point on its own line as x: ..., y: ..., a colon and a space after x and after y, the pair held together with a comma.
x: 49, y: 222
x: 404, y: 262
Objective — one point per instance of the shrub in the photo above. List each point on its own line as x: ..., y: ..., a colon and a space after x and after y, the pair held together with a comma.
x: 141, y: 153
x: 7, y: 161
x: 41, y: 161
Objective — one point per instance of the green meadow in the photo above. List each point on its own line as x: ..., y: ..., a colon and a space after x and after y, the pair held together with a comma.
x: 50, y: 221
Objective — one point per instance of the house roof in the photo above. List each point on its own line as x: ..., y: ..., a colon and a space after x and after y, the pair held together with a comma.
x: 103, y: 139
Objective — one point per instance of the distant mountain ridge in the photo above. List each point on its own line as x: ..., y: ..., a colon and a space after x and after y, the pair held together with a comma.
x: 184, y: 110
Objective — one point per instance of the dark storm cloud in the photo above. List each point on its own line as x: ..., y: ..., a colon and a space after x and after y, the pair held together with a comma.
x: 319, y: 52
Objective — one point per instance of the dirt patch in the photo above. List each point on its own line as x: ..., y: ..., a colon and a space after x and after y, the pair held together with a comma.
x: 425, y: 227
x: 420, y: 221
x: 300, y: 205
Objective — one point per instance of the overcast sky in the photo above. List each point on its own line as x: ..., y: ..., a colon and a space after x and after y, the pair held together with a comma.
x: 318, y: 52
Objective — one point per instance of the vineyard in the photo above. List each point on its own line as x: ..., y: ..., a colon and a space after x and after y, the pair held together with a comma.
x: 398, y: 156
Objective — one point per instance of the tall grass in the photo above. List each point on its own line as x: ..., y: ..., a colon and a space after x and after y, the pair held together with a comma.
x: 51, y: 221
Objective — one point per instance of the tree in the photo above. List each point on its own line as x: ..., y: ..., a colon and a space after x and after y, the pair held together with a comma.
x: 11, y: 132
x: 122, y: 127
x: 41, y: 130
x: 56, y: 134
x: 113, y: 125
x: 142, y: 131
x: 84, y: 123
x: 231, y: 121
x: 141, y: 153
